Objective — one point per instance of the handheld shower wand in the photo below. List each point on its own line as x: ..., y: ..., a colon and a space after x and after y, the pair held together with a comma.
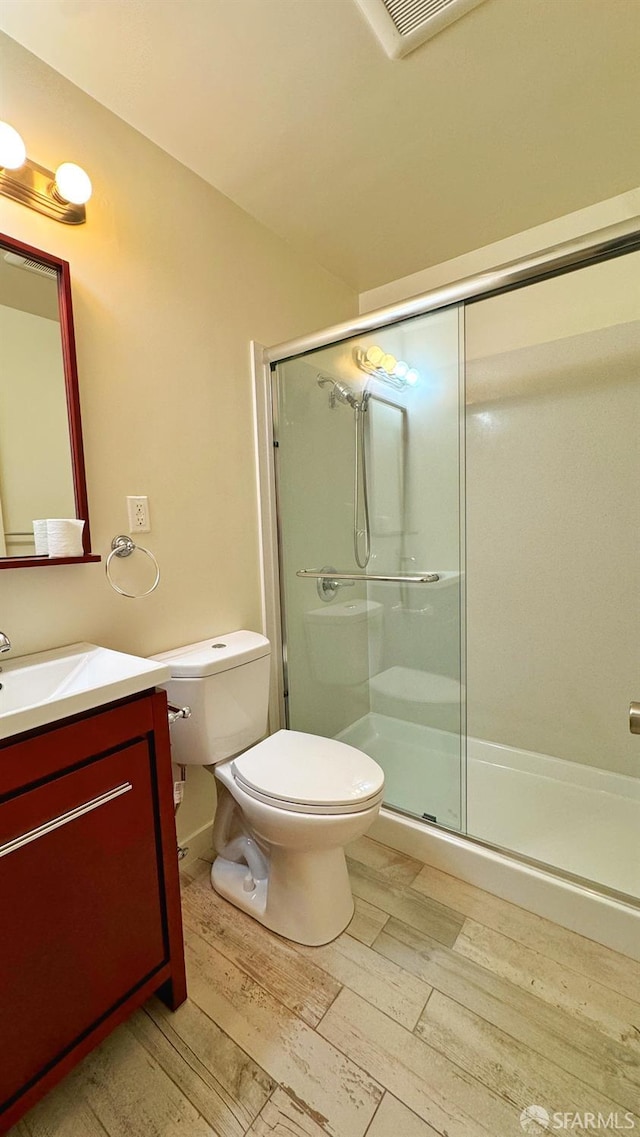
x: 341, y: 393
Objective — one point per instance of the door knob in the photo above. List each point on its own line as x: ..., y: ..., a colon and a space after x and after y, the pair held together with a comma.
x: 634, y: 718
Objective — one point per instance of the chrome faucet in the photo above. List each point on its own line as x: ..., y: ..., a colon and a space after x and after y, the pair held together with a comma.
x: 5, y: 643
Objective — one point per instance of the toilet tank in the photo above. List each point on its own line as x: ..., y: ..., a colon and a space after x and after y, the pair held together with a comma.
x: 225, y: 682
x: 345, y: 641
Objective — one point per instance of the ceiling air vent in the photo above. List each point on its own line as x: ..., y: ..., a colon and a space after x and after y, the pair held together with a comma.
x: 402, y: 25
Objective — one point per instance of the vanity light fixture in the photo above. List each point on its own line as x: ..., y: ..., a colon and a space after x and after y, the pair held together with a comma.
x: 60, y: 195
x: 385, y: 367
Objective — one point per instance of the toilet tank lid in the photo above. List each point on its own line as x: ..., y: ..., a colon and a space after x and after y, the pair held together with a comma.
x: 216, y: 653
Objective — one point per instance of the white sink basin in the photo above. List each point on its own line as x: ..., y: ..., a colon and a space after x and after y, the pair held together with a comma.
x: 50, y: 685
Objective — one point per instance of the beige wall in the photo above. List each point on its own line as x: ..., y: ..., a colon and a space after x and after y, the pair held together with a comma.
x: 570, y: 227
x: 170, y: 283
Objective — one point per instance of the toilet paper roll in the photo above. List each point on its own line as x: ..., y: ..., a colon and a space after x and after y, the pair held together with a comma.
x: 40, y: 537
x: 64, y: 536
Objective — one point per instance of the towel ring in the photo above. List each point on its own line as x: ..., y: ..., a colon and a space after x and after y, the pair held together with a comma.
x: 123, y: 547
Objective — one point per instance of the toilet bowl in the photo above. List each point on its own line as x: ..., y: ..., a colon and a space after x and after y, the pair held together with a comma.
x: 286, y: 806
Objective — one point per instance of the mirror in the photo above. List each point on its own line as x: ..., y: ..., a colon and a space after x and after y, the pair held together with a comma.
x: 41, y: 458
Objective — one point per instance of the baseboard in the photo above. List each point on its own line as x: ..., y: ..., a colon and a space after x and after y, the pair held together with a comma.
x: 199, y: 845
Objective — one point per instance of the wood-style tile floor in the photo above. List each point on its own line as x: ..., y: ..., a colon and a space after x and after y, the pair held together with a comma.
x: 441, y: 1010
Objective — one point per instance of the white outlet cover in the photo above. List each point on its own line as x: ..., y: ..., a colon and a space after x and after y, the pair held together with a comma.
x: 138, y: 514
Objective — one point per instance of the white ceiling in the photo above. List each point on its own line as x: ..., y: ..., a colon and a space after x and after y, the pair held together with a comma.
x: 520, y: 112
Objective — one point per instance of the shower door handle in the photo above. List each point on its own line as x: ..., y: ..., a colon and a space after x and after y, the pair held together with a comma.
x: 634, y: 718
x: 402, y: 578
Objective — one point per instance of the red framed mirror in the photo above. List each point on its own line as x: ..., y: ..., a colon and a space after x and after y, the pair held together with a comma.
x: 42, y: 473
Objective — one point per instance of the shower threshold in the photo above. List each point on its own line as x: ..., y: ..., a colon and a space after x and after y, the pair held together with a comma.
x: 577, y: 818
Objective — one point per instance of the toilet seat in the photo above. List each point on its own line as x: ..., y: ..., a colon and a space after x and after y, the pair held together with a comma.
x: 305, y: 773
x: 299, y: 807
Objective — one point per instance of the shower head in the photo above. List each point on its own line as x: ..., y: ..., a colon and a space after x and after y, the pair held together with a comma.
x: 344, y: 393
x: 341, y: 393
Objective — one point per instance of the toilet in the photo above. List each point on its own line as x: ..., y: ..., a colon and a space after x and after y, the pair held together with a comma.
x: 286, y: 806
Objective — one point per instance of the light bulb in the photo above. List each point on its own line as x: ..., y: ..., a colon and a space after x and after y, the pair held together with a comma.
x: 72, y: 184
x: 12, y: 149
x: 388, y: 363
x: 412, y: 377
x: 401, y: 368
x: 374, y: 355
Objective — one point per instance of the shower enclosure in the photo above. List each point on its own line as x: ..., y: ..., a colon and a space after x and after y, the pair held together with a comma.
x: 457, y: 562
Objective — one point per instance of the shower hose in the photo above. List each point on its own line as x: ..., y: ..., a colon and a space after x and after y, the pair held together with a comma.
x: 361, y: 532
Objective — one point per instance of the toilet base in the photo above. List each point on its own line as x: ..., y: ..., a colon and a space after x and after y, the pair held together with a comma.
x: 306, y: 896
x: 228, y: 880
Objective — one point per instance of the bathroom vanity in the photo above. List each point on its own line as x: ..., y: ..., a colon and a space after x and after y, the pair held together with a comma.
x: 90, y: 921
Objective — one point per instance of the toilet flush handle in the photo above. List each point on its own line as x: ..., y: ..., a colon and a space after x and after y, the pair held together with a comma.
x: 175, y: 713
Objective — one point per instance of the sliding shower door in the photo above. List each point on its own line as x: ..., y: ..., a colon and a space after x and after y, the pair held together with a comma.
x: 368, y: 481
x: 553, y: 571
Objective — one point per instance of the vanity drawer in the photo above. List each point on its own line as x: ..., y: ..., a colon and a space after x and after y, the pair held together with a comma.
x: 48, y: 752
x: 81, y: 907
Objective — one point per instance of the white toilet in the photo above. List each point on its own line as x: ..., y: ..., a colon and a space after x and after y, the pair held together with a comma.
x: 286, y: 807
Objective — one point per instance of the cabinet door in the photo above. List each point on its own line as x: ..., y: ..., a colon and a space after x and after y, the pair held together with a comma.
x: 81, y: 921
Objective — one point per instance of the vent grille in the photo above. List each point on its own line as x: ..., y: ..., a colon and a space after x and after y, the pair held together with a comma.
x: 402, y: 25
x: 30, y: 265
x: 410, y: 14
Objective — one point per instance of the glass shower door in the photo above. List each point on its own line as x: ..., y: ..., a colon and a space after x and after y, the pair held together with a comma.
x: 368, y: 484
x: 553, y: 465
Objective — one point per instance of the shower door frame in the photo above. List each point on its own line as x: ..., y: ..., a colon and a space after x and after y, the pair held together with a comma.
x: 601, y: 245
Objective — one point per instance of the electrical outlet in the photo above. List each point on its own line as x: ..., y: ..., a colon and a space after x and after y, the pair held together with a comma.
x: 138, y: 512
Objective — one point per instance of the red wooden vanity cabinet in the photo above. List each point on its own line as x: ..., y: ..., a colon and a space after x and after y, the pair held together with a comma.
x: 90, y: 922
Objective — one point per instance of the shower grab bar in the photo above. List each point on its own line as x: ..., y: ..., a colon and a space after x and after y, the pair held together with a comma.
x: 402, y: 578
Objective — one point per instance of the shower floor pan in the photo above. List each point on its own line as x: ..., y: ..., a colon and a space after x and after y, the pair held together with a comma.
x: 580, y: 819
